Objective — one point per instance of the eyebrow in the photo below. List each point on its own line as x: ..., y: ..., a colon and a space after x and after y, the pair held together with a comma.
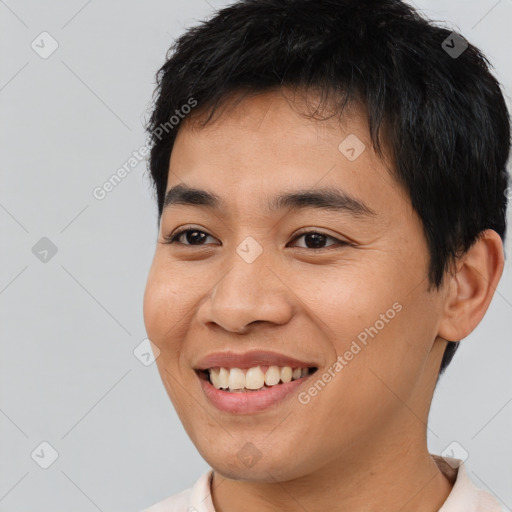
x: 331, y: 199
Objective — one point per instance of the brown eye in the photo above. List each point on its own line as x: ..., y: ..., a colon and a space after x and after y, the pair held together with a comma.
x: 187, y: 237
x: 316, y: 240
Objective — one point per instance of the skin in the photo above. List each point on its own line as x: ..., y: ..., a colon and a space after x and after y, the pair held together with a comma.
x: 360, y: 444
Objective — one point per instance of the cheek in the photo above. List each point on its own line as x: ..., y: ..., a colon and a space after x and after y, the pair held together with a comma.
x: 350, y: 298
x: 163, y: 298
x: 163, y: 314
x: 379, y: 318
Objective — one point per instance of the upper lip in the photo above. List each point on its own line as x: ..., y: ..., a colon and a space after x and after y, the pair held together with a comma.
x: 249, y: 360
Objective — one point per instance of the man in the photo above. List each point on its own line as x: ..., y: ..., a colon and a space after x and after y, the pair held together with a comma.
x: 331, y: 185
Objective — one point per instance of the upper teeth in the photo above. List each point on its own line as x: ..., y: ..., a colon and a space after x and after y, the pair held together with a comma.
x: 254, y: 378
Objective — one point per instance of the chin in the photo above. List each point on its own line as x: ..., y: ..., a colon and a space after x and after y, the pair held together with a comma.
x: 264, y: 470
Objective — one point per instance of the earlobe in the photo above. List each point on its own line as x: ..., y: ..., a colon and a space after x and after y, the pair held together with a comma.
x: 472, y: 286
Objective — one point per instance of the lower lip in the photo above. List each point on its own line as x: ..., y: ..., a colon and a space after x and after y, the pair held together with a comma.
x: 251, y: 401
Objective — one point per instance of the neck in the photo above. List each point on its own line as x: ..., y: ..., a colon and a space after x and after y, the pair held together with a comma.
x: 389, y: 477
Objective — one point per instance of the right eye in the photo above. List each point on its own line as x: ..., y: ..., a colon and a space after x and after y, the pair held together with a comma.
x: 192, y: 237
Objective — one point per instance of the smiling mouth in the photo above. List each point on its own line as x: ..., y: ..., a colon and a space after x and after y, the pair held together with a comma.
x: 237, y: 380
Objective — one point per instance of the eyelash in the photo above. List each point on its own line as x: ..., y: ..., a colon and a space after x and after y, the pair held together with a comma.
x: 171, y: 239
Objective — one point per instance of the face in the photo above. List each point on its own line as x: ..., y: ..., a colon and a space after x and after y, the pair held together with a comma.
x: 339, y: 286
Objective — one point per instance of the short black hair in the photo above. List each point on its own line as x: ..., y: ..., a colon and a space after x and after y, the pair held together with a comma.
x: 441, y: 114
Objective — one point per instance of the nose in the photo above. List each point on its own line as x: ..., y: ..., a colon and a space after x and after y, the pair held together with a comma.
x: 248, y: 293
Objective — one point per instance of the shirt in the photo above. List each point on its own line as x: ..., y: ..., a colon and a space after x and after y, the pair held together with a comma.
x: 464, y: 497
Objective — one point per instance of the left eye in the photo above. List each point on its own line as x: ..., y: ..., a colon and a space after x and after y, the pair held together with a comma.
x: 314, y: 239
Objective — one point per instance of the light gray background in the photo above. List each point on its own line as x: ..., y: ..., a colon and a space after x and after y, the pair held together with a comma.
x: 69, y: 326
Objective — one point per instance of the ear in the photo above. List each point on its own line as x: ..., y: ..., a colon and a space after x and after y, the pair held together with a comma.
x: 471, y: 288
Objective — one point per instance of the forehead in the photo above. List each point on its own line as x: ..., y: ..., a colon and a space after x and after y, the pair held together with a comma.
x: 267, y: 142
x: 281, y: 110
